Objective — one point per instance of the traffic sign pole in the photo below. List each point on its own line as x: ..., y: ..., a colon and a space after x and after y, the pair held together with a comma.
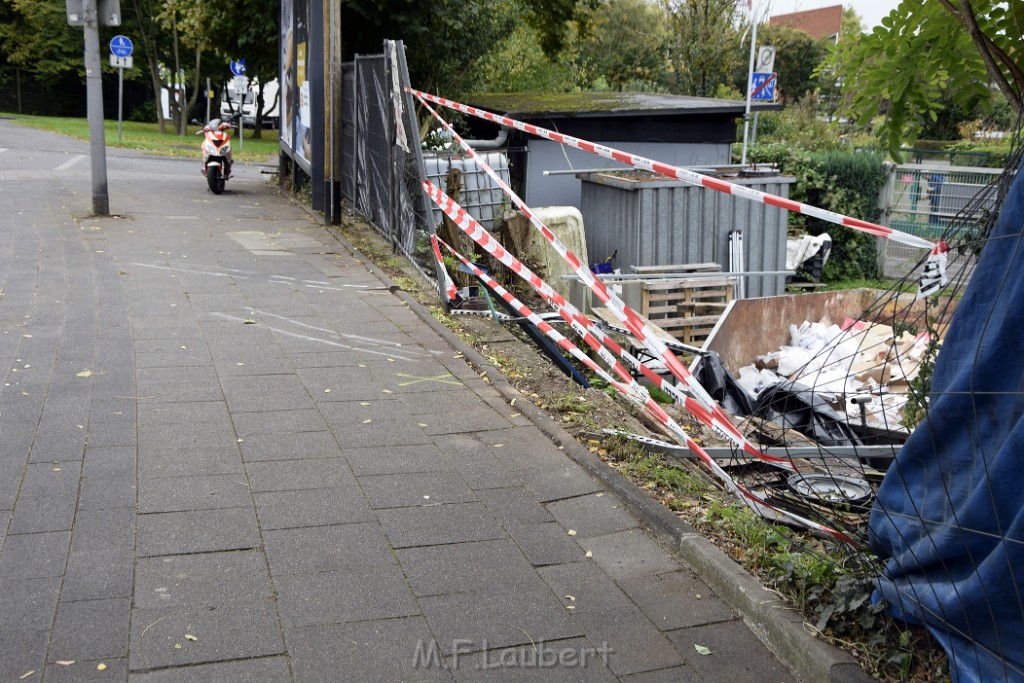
x: 94, y: 106
x: 121, y: 57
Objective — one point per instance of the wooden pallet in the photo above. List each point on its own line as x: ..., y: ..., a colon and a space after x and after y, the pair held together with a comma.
x: 687, y: 308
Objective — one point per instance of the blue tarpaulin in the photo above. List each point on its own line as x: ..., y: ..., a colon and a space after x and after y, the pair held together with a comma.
x: 949, y: 518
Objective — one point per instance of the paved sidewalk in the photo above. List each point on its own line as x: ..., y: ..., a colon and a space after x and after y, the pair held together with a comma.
x: 229, y: 453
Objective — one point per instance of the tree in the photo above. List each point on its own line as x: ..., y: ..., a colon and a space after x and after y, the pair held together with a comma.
x: 447, y: 40
x: 925, y: 52
x: 625, y: 45
x: 38, y: 42
x: 250, y: 29
x: 704, y: 45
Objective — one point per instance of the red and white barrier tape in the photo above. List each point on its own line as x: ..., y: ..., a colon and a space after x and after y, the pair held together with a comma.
x: 589, y: 332
x: 701, y: 405
x: 636, y: 393
x: 682, y: 174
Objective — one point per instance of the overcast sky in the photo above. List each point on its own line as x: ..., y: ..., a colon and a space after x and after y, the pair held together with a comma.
x: 870, y: 11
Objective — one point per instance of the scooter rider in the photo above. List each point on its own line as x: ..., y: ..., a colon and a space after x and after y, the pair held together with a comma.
x: 219, y: 126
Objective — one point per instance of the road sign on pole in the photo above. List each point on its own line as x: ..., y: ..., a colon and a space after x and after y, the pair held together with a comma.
x: 121, y: 62
x: 238, y: 67
x: 762, y: 87
x: 765, y: 60
x: 121, y: 46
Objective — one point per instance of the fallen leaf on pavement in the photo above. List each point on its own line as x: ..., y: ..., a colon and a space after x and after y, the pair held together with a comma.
x: 701, y: 649
x: 189, y: 636
x: 26, y: 675
x: 101, y: 666
x: 84, y: 373
x: 65, y: 662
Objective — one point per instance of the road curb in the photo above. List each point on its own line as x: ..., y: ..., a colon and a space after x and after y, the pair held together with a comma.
x: 775, y: 623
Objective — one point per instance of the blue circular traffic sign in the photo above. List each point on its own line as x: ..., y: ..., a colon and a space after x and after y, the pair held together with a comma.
x: 238, y: 67
x: 121, y: 46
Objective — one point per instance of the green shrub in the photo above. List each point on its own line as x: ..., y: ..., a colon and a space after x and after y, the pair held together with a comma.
x: 841, y: 181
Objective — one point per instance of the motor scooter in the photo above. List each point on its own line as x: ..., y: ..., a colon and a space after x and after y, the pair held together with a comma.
x: 216, y: 153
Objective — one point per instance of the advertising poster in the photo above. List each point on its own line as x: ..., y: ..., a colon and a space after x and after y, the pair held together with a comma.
x: 302, y: 140
x: 287, y: 77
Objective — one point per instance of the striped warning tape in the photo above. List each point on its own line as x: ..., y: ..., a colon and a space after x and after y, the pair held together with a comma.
x: 629, y: 388
x: 700, y: 403
x: 591, y: 333
x: 683, y: 174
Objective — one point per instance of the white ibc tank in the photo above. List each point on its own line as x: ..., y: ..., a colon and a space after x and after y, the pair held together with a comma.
x: 566, y: 222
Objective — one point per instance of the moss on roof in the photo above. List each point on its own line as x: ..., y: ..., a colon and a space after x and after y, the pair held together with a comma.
x: 596, y: 103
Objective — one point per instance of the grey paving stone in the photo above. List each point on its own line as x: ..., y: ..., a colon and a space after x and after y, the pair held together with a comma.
x: 168, y: 435
x: 235, y: 632
x: 206, y: 579
x: 524, y: 448
x: 312, y: 507
x: 593, y: 515
x: 47, y: 499
x: 265, y: 393
x: 180, y: 494
x: 27, y: 605
x: 356, y: 594
x: 292, y: 475
x: 344, y: 383
x: 190, y: 460
x: 262, y: 670
x: 676, y: 600
x: 676, y: 674
x: 416, y: 489
x: 185, y: 413
x: 327, y: 548
x: 545, y: 543
x: 109, y: 461
x: 396, y: 460
x: 497, y: 618
x: 99, y: 492
x: 725, y: 640
x: 627, y: 554
x: 182, y: 391
x: 177, y: 533
x: 180, y: 358
x: 279, y: 422
x: 636, y: 644
x: 558, y: 481
x: 314, y: 359
x: 58, y: 443
x: 561, y: 661
x: 149, y: 377
x: 295, y: 446
x: 593, y: 593
x: 91, y: 630
x: 462, y: 567
x: 99, y: 574
x: 439, y: 525
x: 385, y: 423
x: 85, y: 671
x: 30, y: 556
x: 103, y: 530
x: 476, y: 462
x: 251, y: 361
x: 104, y: 434
x: 456, y: 418
x: 367, y: 651
x: 514, y: 504
x: 24, y: 656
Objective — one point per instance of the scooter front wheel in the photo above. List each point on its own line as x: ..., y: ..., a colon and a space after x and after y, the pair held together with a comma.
x: 214, y: 179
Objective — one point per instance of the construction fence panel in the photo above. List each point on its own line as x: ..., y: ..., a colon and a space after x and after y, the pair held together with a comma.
x: 922, y: 199
x: 381, y: 177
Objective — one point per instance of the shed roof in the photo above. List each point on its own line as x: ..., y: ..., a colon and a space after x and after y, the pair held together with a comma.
x: 608, y: 104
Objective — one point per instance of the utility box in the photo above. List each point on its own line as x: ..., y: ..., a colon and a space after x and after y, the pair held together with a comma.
x: 650, y: 220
